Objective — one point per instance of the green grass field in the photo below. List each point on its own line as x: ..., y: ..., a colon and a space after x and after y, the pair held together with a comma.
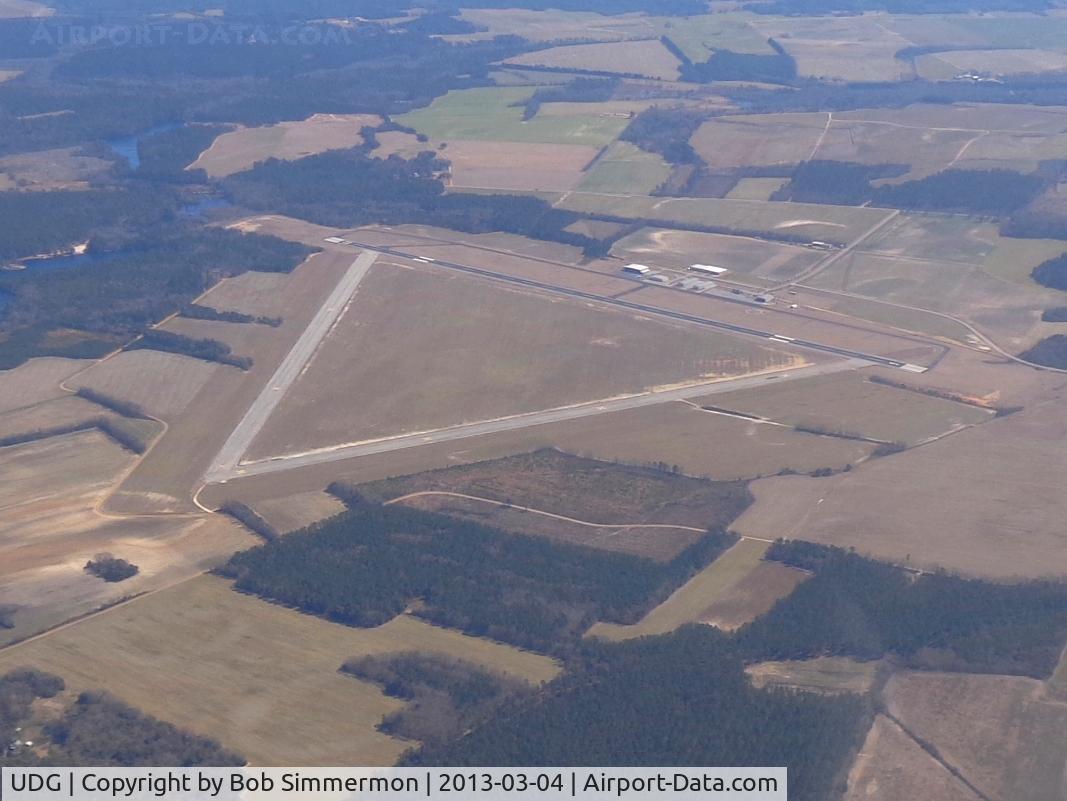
x: 626, y: 169
x: 491, y: 113
x: 699, y: 37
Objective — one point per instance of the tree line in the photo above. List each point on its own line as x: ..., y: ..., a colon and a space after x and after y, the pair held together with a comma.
x: 394, y: 191
x: 681, y: 699
x: 143, y: 280
x: 367, y: 565
x: 853, y: 606
x: 995, y: 193
x: 446, y: 696
x: 96, y: 730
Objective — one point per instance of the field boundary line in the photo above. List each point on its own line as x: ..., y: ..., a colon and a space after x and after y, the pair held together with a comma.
x: 505, y: 505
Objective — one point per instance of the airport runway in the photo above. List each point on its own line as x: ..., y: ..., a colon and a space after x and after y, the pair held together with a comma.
x: 400, y: 442
x: 653, y: 310
x: 228, y: 462
x: 229, y: 456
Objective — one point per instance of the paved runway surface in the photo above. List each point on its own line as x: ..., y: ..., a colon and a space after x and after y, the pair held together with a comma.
x: 400, y: 442
x: 289, y: 370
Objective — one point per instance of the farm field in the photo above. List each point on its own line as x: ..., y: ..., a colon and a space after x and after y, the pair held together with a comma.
x: 826, y: 674
x: 292, y: 512
x: 806, y: 220
x: 849, y: 48
x: 261, y: 663
x: 627, y: 169
x: 50, y: 528
x: 755, y: 188
x: 648, y: 58
x: 1003, y: 310
x: 400, y: 143
x: 997, y: 62
x: 589, y: 490
x: 851, y: 404
x: 995, y: 30
x: 658, y: 541
x: 482, y: 351
x: 754, y: 594
x: 36, y: 381
x: 163, y: 384
x: 995, y: 514
x: 554, y: 26
x: 953, y: 265
x: 522, y: 166
x: 490, y: 114
x: 58, y: 414
x: 251, y: 293
x: 1000, y: 732
x: 876, y: 311
x: 923, y: 137
x: 755, y: 260
x: 171, y: 471
x: 241, y: 149
x: 892, y: 765
x: 699, y: 36
x: 719, y: 594
x: 758, y: 140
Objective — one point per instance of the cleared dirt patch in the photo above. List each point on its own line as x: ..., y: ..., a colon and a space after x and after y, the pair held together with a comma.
x: 829, y: 674
x: 648, y: 58
x: 162, y: 384
x: 231, y: 666
x: 464, y: 350
x: 35, y: 381
x: 752, y: 595
x: 240, y: 150
x: 49, y: 528
x: 517, y: 165
x: 1000, y: 732
x: 711, y: 589
x: 891, y: 766
x: 996, y: 513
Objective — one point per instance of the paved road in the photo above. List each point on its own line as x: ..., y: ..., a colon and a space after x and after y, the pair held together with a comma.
x: 229, y: 456
x: 655, y: 310
x: 385, y: 445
